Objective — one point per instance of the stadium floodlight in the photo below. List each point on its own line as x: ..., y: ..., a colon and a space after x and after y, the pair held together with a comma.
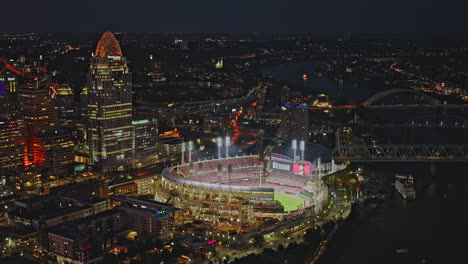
x: 183, y: 153
x: 190, y: 145
x: 302, y: 148
x: 228, y: 142
x: 220, y: 144
x: 319, y: 167
x: 190, y: 148
x: 294, y: 147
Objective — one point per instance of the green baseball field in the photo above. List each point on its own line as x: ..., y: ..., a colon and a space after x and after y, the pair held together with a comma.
x: 289, y: 202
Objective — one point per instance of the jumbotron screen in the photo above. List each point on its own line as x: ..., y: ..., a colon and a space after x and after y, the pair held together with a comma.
x: 281, y: 162
x: 302, y: 168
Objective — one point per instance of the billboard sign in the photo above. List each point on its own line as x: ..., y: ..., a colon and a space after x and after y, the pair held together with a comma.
x: 281, y: 166
x: 281, y: 162
x: 279, y: 157
x: 262, y: 196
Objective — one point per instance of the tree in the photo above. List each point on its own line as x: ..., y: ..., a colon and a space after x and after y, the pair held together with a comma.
x: 280, y: 248
x: 258, y: 241
x: 268, y: 252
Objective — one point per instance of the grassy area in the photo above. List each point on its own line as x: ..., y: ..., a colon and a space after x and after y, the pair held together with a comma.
x: 289, y: 202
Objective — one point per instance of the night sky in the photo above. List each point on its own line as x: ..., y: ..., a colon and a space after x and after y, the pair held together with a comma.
x: 236, y: 16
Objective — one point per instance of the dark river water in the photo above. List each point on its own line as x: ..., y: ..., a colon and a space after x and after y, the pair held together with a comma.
x: 431, y: 229
x: 292, y: 72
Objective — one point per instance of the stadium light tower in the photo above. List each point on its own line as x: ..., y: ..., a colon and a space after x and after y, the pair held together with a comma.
x: 228, y: 142
x: 190, y: 148
x: 183, y: 153
x: 319, y: 166
x: 302, y: 148
x: 294, y: 147
x: 220, y: 144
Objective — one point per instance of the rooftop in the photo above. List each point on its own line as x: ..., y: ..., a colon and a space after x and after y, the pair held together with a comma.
x: 153, y: 211
x: 48, y: 213
x: 70, y: 229
x: 108, y: 45
x: 193, y: 241
x: 17, y: 260
x: 147, y: 203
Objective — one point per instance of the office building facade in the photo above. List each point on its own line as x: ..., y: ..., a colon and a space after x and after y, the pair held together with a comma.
x: 47, y: 142
x: 145, y: 142
x: 109, y: 111
x: 11, y: 144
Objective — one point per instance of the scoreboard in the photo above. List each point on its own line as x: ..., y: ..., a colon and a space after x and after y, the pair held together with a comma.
x: 282, y: 162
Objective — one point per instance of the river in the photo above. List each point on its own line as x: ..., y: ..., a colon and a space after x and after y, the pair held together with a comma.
x: 430, y: 229
x: 292, y: 73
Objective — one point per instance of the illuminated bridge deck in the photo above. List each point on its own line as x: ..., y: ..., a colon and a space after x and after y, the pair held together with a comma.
x: 401, y: 153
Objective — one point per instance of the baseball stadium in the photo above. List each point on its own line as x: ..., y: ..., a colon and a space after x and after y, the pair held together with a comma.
x: 244, y: 189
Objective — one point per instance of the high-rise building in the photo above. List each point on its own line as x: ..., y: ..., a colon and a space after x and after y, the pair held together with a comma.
x: 47, y: 143
x: 109, y: 113
x: 8, y: 94
x: 296, y: 124
x: 65, y: 102
x: 11, y: 144
x: 145, y: 133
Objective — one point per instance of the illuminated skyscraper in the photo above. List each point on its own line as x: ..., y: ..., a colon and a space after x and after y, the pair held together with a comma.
x: 65, y: 102
x: 145, y: 133
x: 47, y: 143
x: 109, y: 96
x: 8, y: 94
x: 11, y: 144
x: 296, y: 124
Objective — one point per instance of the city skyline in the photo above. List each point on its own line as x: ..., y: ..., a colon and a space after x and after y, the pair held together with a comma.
x: 223, y: 148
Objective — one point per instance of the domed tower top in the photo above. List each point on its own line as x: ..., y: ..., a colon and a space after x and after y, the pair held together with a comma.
x: 108, y: 45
